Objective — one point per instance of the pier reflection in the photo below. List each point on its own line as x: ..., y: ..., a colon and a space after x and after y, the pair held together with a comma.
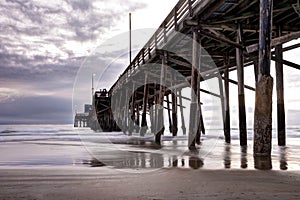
x: 227, y: 156
x: 283, y: 158
x: 244, y: 160
x: 145, y: 155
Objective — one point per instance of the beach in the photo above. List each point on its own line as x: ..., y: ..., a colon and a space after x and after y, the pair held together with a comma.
x: 92, y: 183
x: 60, y: 162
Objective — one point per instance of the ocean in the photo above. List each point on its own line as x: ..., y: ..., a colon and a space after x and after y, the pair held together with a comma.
x: 26, y: 146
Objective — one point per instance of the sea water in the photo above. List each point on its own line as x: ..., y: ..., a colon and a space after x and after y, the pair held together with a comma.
x: 63, y: 145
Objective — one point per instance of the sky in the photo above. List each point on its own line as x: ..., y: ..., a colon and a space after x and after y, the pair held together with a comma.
x: 46, y: 45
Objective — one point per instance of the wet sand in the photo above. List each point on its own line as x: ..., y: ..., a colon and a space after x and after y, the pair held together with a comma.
x: 105, y: 183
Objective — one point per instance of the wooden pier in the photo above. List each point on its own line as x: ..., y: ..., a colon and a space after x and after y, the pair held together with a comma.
x: 235, y: 34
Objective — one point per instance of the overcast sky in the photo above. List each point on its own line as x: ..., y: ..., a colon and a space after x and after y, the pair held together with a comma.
x: 44, y: 43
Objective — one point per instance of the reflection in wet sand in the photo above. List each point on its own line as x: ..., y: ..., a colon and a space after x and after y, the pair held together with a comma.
x: 227, y: 156
x: 195, y: 162
x: 173, y: 154
x: 283, y: 158
x: 263, y: 162
x: 244, y: 160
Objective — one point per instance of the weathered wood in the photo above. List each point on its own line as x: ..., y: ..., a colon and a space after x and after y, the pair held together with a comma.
x: 263, y: 117
x: 255, y: 65
x: 236, y: 83
x: 264, y: 86
x: 181, y: 113
x: 174, y: 113
x: 276, y: 41
x: 174, y: 108
x: 227, y: 105
x: 287, y: 63
x: 193, y: 125
x: 144, y: 126
x: 137, y: 121
x: 221, y: 39
x: 160, y: 113
x: 132, y: 121
x: 126, y: 108
x: 199, y: 128
x: 241, y: 93
x: 169, y: 113
x: 280, y: 95
x: 221, y: 88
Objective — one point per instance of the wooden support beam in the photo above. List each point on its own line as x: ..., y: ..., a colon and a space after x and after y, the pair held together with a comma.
x: 285, y: 62
x: 199, y: 127
x: 236, y: 83
x: 181, y: 113
x: 276, y: 41
x: 264, y: 89
x: 160, y: 113
x: 241, y: 93
x: 131, y: 125
x: 174, y: 108
x: 295, y: 46
x: 227, y: 105
x: 137, y: 122
x: 169, y: 113
x: 193, y: 125
x: 145, y: 105
x: 125, y: 122
x: 174, y: 113
x: 256, y: 70
x: 280, y: 94
x: 221, y: 39
x: 222, y: 100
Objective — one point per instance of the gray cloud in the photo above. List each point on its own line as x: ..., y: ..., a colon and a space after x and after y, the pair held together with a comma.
x: 36, y: 55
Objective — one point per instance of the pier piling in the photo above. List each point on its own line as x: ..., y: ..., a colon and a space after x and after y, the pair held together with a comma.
x: 264, y: 89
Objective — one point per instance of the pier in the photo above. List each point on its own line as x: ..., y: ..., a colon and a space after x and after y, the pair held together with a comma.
x: 234, y: 34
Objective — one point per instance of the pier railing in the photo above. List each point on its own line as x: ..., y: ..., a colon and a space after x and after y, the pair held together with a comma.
x: 182, y: 10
